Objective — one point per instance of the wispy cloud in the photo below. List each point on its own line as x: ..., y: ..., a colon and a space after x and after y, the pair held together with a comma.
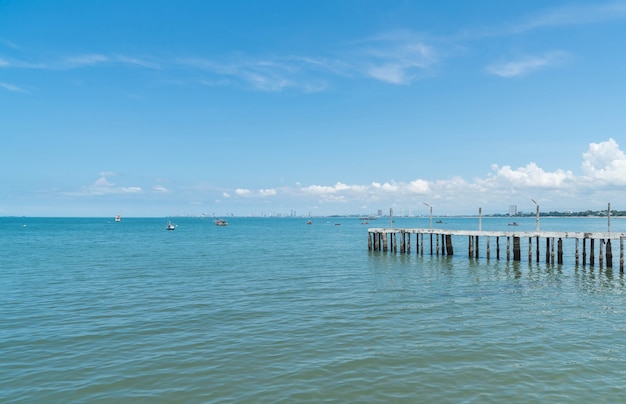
x: 102, y: 186
x: 574, y: 15
x: 11, y: 87
x: 526, y: 65
x: 395, y: 58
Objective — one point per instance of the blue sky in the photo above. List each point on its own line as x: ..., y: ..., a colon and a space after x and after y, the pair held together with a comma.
x: 157, y: 108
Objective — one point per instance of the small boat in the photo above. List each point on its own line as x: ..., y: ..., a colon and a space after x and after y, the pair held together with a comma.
x: 170, y: 226
x: 309, y: 222
x: 221, y: 222
x: 118, y: 218
x: 439, y: 221
x: 513, y: 224
x: 365, y: 222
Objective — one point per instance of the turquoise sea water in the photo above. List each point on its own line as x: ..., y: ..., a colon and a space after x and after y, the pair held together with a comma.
x: 274, y: 310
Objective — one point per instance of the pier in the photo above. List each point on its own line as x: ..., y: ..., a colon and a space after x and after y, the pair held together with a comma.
x: 510, y: 245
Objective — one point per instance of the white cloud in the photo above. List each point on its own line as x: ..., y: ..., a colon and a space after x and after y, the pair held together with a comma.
x: 161, y: 188
x: 85, y: 60
x: 575, y: 15
x: 396, y: 58
x: 267, y: 192
x: 532, y: 176
x: 102, y: 186
x: 526, y: 65
x: 11, y: 87
x: 242, y: 192
x: 605, y: 162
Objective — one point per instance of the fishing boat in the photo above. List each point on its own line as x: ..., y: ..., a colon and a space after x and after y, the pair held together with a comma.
x: 513, y: 224
x: 309, y: 222
x: 118, y: 218
x: 170, y: 226
x: 221, y: 222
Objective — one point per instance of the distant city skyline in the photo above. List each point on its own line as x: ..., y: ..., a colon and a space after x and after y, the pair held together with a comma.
x: 160, y: 108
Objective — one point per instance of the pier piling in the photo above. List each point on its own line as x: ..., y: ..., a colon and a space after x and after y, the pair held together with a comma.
x: 441, y: 242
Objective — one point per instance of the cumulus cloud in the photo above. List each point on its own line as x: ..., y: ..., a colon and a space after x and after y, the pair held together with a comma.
x: 605, y: 162
x: 532, y: 176
x: 242, y: 192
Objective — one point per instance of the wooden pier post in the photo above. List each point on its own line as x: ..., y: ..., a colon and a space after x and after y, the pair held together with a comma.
x: 547, y: 250
x: 508, y: 248
x: 600, y: 253
x: 476, y: 252
x: 488, y: 249
x: 591, y: 257
x: 369, y: 241
x: 470, y: 246
x: 408, y: 244
x: 498, y: 248
x: 560, y: 251
x: 422, y: 247
x: 584, y: 251
x: 537, y: 242
x: 576, y: 252
x: 621, y: 254
x: 449, y: 248
x: 609, y: 254
x: 385, y: 242
x: 437, y: 244
x: 516, y: 249
x: 552, y: 252
x: 530, y: 249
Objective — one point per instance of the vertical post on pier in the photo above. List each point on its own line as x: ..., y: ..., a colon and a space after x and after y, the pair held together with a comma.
x: 591, y: 256
x: 385, y: 241
x: 470, y: 246
x: 530, y: 249
x: 516, y: 249
x: 422, y: 245
x: 560, y: 251
x: 621, y: 254
x: 497, y: 248
x: 547, y: 250
x: 600, y: 253
x: 476, y: 247
x: 508, y: 248
x: 584, y: 251
x: 537, y: 242
x: 408, y: 244
x: 488, y: 248
x: 376, y: 241
x: 609, y: 254
x: 552, y: 252
x: 437, y: 243
x: 577, y: 252
x: 449, y: 247
x: 369, y: 241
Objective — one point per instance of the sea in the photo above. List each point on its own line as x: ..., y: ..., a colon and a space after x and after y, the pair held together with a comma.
x: 275, y: 310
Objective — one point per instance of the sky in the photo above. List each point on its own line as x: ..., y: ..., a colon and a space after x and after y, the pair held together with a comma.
x: 153, y: 108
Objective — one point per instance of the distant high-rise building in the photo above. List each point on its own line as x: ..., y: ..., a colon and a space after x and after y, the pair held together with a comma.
x: 512, y: 210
